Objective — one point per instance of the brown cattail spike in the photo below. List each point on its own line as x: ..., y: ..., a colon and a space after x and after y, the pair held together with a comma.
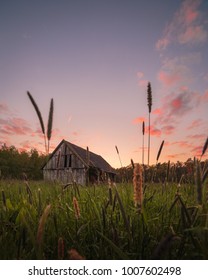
x: 138, y: 185
x: 76, y: 208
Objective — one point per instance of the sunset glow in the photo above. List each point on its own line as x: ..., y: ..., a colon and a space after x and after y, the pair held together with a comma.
x: 95, y: 58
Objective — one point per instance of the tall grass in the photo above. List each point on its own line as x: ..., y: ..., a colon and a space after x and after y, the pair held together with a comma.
x: 107, y: 225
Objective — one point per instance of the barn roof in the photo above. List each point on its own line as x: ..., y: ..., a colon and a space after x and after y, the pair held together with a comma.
x: 94, y: 160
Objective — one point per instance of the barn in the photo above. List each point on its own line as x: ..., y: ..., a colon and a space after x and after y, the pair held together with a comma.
x: 69, y: 163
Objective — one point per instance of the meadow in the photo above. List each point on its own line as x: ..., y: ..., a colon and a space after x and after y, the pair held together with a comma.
x: 40, y: 220
x: 153, y: 212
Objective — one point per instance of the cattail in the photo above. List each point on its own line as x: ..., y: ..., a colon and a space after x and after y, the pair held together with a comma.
x: 50, y: 123
x: 132, y: 163
x: 118, y: 155
x: 149, y: 104
x: 74, y: 255
x: 160, y: 149
x: 76, y: 208
x: 143, y: 132
x: 39, y: 116
x: 60, y: 248
x: 42, y: 224
x: 149, y: 97
x: 138, y: 185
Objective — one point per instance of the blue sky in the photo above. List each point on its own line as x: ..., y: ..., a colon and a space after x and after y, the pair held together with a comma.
x: 94, y: 58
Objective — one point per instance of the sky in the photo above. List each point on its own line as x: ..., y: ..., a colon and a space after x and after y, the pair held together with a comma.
x: 95, y: 58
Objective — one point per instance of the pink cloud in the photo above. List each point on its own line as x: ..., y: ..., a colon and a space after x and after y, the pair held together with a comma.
x: 168, y: 79
x: 4, y: 108
x: 183, y: 144
x: 195, y: 124
x: 157, y: 111
x: 143, y: 83
x: 176, y: 71
x: 15, y: 126
x: 187, y: 26
x: 175, y: 156
x: 205, y: 97
x: 197, y: 136
x: 193, y: 34
x: 168, y: 129
x: 191, y: 14
x: 197, y: 150
x: 162, y: 43
x: 140, y: 74
x: 139, y: 120
x: 153, y: 131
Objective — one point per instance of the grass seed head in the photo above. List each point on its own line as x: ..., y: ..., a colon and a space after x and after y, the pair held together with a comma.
x: 76, y: 208
x: 138, y: 185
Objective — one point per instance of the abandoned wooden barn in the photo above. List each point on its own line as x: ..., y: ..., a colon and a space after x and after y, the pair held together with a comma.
x: 69, y: 163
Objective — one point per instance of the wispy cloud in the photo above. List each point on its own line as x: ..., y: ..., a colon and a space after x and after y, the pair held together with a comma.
x: 142, y: 82
x: 154, y: 131
x: 15, y: 126
x: 4, y: 109
x: 186, y: 27
x: 139, y: 120
x: 176, y: 71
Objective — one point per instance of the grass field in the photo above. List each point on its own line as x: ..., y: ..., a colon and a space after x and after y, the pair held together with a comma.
x: 40, y: 220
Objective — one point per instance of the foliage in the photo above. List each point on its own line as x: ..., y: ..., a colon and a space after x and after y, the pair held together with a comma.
x: 39, y: 218
x: 14, y: 163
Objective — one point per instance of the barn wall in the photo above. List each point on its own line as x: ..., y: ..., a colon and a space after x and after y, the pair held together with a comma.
x: 65, y: 167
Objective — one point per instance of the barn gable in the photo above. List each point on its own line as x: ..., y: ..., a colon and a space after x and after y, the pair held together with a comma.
x: 70, y: 163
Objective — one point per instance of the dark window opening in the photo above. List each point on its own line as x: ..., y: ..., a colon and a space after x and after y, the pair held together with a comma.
x: 67, y: 161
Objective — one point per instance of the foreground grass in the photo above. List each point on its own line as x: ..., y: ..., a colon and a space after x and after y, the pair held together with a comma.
x: 39, y: 221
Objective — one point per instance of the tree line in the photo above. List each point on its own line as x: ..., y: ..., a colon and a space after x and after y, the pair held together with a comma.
x: 13, y: 163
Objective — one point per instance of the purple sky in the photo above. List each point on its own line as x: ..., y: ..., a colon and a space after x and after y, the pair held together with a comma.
x: 94, y: 59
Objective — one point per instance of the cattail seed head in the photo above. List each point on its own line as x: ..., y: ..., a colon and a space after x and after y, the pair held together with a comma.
x: 149, y: 97
x: 76, y: 208
x: 138, y: 185
x: 42, y: 224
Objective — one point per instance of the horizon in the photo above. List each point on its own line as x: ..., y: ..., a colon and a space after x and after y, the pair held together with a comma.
x: 95, y: 60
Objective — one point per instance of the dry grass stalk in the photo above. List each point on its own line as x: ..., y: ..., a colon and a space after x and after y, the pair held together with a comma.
x: 42, y: 224
x: 60, y: 248
x: 76, y: 208
x: 74, y: 255
x: 138, y: 185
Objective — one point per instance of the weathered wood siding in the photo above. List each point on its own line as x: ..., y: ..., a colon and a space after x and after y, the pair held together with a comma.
x: 65, y: 167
